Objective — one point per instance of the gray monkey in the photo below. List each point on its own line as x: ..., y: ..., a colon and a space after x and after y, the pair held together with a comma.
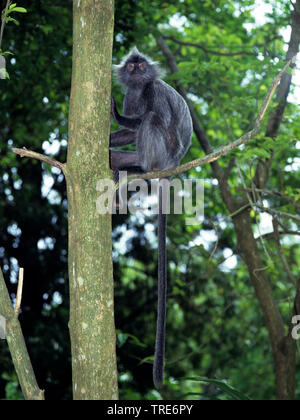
x: 157, y: 119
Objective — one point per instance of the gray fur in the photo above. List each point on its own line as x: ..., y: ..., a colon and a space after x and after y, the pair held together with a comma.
x: 156, y: 117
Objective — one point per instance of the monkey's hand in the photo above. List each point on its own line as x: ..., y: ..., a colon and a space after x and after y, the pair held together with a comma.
x: 132, y: 122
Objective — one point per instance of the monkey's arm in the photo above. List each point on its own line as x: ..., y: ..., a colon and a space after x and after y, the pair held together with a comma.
x: 122, y: 138
x: 132, y: 123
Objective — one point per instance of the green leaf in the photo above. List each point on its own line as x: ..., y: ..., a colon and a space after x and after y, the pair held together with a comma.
x: 6, y: 53
x: 147, y: 359
x: 123, y: 337
x: 15, y: 21
x: 222, y: 385
x: 19, y: 10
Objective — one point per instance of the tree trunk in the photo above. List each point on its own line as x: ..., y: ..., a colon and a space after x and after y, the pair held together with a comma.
x: 91, y: 325
x: 283, y: 345
x: 17, y: 347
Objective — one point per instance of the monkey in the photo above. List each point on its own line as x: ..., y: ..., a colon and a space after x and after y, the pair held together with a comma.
x: 157, y: 120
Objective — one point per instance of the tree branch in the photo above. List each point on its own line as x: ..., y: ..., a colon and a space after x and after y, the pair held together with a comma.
x: 19, y: 292
x: 17, y: 347
x: 3, y: 21
x: 280, y: 251
x: 270, y: 235
x: 263, y: 168
x: 223, y: 151
x: 33, y: 155
x: 279, y: 213
x: 198, y: 130
x: 249, y: 251
x: 273, y: 192
x: 208, y: 50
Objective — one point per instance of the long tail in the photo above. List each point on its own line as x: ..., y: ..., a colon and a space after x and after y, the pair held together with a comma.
x: 158, y: 367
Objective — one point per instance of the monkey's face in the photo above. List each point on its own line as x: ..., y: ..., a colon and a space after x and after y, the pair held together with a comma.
x: 137, y: 71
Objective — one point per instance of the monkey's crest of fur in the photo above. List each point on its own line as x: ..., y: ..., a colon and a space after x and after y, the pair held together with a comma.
x: 153, y: 69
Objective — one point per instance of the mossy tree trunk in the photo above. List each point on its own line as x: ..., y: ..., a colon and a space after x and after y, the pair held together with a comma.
x: 91, y: 325
x: 17, y: 346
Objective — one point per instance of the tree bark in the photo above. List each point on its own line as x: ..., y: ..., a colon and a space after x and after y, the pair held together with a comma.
x: 283, y: 345
x: 17, y: 347
x: 92, y: 327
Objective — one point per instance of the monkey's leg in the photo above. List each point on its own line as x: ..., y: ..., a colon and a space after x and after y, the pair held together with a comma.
x: 119, y: 160
x: 122, y: 138
x: 125, y: 161
x: 152, y: 144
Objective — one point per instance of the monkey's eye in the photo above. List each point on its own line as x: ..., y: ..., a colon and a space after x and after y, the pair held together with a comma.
x: 130, y: 67
x: 142, y: 66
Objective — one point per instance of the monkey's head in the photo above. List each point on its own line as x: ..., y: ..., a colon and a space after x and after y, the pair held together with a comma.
x: 137, y: 69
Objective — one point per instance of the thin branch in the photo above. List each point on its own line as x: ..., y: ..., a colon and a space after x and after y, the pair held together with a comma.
x: 17, y: 347
x: 280, y: 251
x: 279, y: 213
x: 19, y: 292
x: 270, y: 235
x: 225, y: 150
x: 254, y: 209
x: 208, y: 50
x: 273, y: 192
x: 290, y: 232
x: 3, y: 21
x: 33, y: 155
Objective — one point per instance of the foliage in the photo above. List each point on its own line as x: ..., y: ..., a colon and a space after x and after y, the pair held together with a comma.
x: 6, y: 17
x: 215, y: 326
x: 12, y: 391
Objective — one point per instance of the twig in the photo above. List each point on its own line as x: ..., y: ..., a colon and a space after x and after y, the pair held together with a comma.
x: 19, y: 292
x: 223, y: 151
x: 279, y: 213
x: 270, y: 235
x: 3, y: 21
x: 251, y: 203
x: 33, y: 155
x: 273, y: 192
x: 208, y: 50
x: 216, y: 244
x: 240, y: 210
x: 280, y: 251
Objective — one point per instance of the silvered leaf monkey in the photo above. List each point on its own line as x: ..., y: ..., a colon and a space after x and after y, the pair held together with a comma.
x: 157, y: 119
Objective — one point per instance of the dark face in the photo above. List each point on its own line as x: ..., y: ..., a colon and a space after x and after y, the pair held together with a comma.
x: 137, y: 72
